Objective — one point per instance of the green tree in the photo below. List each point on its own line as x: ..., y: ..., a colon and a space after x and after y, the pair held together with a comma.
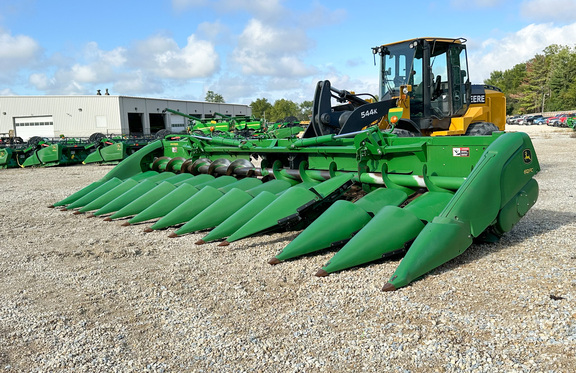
x: 305, y: 110
x: 260, y: 107
x: 534, y: 85
x: 496, y: 79
x: 214, y: 97
x: 509, y: 82
x: 282, y: 109
x: 562, y: 79
x: 546, y: 82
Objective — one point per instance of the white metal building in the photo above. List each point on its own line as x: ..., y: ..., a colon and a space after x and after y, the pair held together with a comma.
x: 81, y: 116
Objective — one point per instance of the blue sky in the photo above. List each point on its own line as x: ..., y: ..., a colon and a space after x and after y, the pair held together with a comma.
x: 248, y: 49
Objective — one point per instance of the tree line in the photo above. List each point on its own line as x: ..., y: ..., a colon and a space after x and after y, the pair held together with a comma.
x: 280, y: 110
x: 546, y: 82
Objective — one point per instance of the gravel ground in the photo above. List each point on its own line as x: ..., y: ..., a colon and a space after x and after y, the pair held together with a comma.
x: 88, y: 295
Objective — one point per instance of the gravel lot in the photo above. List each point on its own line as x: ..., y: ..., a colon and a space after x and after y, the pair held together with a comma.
x: 88, y: 295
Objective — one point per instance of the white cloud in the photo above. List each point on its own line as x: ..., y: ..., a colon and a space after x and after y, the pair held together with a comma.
x: 57, y: 84
x: 163, y: 57
x: 17, y: 52
x: 94, y: 66
x: 216, y: 32
x: 135, y: 70
x: 549, y: 10
x: 40, y: 81
x: 14, y: 49
x: 84, y: 73
x: 7, y: 92
x: 114, y: 58
x: 503, y: 54
x: 266, y: 50
x: 137, y: 82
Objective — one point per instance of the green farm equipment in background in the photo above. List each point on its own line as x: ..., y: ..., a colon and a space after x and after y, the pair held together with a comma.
x: 113, y: 149
x: 422, y: 172
x: 224, y: 126
x: 287, y: 128
x: 61, y: 151
x: 571, y: 122
x: 12, y: 156
x: 13, y: 150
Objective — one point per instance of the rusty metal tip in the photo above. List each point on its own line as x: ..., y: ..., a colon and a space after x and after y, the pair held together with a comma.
x: 125, y: 224
x: 90, y: 216
x: 321, y: 273
x: 389, y: 287
x: 172, y: 235
x: 148, y: 230
x: 51, y: 206
x: 200, y: 242
x: 224, y: 243
x: 107, y: 219
x: 63, y: 209
x: 274, y: 261
x: 77, y: 212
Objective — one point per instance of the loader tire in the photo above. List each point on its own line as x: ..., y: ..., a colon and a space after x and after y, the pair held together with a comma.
x: 401, y: 132
x: 290, y: 120
x: 96, y: 137
x: 481, y: 129
x: 34, y: 140
x: 162, y: 133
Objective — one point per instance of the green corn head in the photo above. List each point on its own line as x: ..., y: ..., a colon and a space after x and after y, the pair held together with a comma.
x: 44, y: 152
x: 423, y: 172
x: 429, y: 197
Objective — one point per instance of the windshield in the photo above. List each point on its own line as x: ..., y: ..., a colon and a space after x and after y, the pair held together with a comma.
x: 436, y: 72
x: 399, y: 67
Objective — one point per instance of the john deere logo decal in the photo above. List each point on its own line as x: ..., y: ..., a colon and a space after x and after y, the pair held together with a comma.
x: 527, y: 156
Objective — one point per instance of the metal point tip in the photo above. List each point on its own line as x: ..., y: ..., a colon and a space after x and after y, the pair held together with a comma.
x: 200, y: 242
x: 148, y: 230
x: 274, y: 261
x: 172, y: 235
x: 90, y: 216
x: 63, y: 209
x: 389, y: 287
x: 107, y: 219
x: 321, y: 273
x: 77, y: 212
x: 125, y: 224
x: 224, y: 243
x: 51, y: 206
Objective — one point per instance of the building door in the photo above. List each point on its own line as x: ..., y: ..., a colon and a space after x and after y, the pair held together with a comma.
x: 177, y: 123
x: 27, y: 127
x: 135, y: 124
x: 156, y: 122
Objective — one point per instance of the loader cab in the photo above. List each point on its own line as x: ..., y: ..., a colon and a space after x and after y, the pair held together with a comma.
x: 429, y: 77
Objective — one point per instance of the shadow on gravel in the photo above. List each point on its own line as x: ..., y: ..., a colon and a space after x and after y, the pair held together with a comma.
x: 539, y: 222
x: 264, y: 239
x: 536, y: 223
